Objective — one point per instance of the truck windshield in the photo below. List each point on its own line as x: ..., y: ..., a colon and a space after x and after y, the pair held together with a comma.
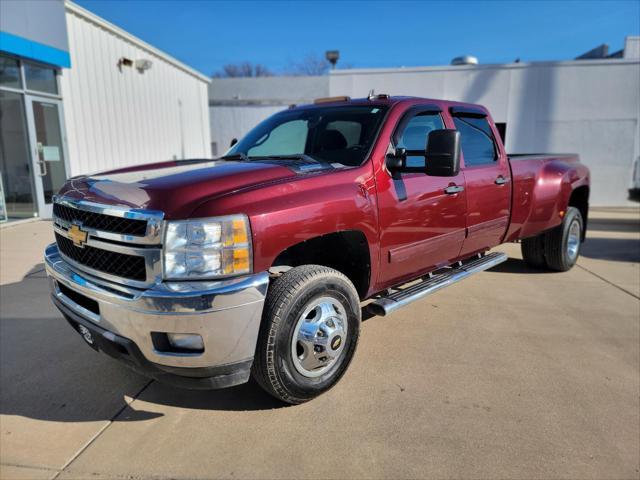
x: 340, y: 135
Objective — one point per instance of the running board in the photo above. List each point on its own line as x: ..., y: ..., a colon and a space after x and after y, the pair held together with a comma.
x: 384, y: 305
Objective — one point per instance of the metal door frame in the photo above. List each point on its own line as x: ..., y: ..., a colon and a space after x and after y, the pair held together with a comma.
x: 45, y: 210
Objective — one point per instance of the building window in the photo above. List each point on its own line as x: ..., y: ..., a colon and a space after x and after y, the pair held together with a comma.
x: 214, y: 149
x: 9, y: 73
x: 40, y: 79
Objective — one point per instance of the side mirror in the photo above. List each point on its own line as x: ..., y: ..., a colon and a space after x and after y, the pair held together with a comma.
x: 396, y: 162
x: 443, y: 153
x: 233, y: 142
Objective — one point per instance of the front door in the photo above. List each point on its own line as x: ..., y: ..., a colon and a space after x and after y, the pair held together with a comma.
x: 422, y: 219
x: 49, y: 149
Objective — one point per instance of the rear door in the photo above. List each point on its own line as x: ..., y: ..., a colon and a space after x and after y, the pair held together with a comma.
x: 487, y: 179
x: 421, y: 225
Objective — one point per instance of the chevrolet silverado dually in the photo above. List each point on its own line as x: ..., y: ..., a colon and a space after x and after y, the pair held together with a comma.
x: 201, y: 273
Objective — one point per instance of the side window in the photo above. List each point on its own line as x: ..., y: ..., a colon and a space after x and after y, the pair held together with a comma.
x: 414, y: 136
x: 476, y: 140
x: 349, y: 130
x: 288, y: 138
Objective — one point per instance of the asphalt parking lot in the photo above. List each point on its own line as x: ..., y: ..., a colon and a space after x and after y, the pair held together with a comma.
x: 513, y: 373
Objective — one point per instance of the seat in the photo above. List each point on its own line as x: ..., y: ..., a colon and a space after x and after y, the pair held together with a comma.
x: 331, y: 140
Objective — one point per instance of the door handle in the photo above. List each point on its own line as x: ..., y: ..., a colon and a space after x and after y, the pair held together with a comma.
x: 501, y: 180
x: 452, y: 189
x: 43, y: 168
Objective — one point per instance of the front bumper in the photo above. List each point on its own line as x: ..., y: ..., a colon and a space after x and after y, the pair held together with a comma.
x: 226, y: 314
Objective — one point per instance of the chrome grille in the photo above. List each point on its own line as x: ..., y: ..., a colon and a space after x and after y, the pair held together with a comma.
x: 106, y: 223
x: 113, y: 263
x: 122, y: 245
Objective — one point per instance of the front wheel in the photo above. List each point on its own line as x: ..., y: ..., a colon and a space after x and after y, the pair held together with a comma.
x: 309, y: 332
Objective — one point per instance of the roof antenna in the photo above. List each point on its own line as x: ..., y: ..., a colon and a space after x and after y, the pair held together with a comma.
x: 372, y: 94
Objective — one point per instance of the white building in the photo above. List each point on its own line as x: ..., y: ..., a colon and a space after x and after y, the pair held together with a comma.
x: 591, y: 107
x: 79, y: 95
x: 236, y: 105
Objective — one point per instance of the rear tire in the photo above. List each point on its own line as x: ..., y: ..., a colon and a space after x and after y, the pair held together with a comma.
x: 562, y: 244
x: 309, y: 333
x: 533, y: 251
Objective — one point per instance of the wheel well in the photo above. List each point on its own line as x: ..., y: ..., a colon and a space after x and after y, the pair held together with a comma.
x: 580, y: 199
x: 346, y: 251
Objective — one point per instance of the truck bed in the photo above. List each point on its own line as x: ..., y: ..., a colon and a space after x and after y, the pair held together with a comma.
x: 543, y: 156
x: 531, y: 173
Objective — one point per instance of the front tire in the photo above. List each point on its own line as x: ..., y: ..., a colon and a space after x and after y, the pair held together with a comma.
x: 309, y: 333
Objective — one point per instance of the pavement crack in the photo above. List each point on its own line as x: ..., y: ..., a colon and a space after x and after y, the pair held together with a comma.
x: 609, y: 282
x: 82, y: 449
x: 34, y: 467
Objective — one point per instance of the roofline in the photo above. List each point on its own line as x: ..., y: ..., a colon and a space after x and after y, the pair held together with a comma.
x: 389, y: 102
x: 101, y: 22
x: 488, y: 66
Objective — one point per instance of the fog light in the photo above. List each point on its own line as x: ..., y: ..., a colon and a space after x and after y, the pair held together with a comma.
x: 186, y: 341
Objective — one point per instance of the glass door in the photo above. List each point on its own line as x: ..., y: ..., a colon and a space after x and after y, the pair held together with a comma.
x: 49, y: 149
x: 17, y: 198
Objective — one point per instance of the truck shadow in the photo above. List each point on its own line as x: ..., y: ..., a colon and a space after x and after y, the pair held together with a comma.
x: 612, y: 249
x: 47, y: 372
x: 516, y: 265
x: 614, y: 225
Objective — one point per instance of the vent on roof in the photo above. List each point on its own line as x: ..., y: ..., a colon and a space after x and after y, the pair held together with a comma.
x: 465, y: 60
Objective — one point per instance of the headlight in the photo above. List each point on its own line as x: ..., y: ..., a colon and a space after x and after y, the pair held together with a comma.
x: 207, y: 248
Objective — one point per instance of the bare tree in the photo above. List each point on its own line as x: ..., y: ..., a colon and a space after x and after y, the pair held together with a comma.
x: 312, y: 64
x: 244, y: 69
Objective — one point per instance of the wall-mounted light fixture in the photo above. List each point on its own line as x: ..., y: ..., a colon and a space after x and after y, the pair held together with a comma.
x: 124, y: 62
x: 143, y: 64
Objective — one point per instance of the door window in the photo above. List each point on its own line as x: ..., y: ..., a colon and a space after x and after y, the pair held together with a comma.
x: 46, y: 118
x: 476, y: 140
x: 414, y: 136
x: 15, y: 159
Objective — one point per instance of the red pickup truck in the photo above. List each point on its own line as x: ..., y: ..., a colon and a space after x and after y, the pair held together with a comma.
x: 201, y: 273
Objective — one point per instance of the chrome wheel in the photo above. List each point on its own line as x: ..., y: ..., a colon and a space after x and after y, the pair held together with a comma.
x: 573, y: 240
x: 319, y: 337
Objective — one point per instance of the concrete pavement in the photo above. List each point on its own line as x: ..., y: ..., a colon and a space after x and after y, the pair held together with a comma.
x: 513, y: 373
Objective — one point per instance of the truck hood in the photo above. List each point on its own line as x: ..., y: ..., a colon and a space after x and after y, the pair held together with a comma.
x: 175, y: 188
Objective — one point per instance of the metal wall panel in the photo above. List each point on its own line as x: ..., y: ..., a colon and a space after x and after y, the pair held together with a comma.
x: 591, y: 107
x: 118, y: 116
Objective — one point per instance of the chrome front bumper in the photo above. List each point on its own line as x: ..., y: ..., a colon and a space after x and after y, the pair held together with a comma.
x: 225, y: 313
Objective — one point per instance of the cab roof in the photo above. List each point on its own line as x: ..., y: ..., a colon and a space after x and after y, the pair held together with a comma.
x: 382, y: 99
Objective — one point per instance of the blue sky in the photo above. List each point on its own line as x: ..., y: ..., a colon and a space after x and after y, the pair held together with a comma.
x: 208, y: 34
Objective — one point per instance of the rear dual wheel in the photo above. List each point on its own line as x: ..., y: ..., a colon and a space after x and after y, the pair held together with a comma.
x: 309, y: 332
x: 557, y: 249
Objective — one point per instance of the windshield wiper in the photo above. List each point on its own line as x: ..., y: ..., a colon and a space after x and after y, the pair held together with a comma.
x: 235, y: 156
x: 296, y: 156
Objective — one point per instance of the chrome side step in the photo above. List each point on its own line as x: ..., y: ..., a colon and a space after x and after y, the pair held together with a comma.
x: 384, y: 305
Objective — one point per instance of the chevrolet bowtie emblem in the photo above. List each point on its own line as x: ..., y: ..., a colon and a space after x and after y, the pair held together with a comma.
x: 77, y: 235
